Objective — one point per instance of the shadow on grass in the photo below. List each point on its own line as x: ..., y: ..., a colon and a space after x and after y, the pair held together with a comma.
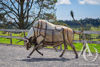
x: 45, y: 59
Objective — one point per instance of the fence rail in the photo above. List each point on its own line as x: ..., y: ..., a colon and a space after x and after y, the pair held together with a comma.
x: 23, y: 31
x: 14, y: 30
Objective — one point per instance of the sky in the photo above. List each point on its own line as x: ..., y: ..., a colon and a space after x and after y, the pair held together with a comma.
x: 81, y: 8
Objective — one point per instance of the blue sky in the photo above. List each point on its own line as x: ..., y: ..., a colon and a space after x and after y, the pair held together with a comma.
x: 81, y: 9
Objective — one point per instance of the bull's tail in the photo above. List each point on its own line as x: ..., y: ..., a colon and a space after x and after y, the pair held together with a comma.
x: 72, y: 15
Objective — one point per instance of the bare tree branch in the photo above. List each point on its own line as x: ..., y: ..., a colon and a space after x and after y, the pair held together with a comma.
x: 13, y: 5
x: 10, y: 16
x: 9, y: 8
x: 29, y: 7
x: 31, y: 4
x: 38, y: 12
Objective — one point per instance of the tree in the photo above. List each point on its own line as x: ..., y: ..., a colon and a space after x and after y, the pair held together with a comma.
x: 23, y: 13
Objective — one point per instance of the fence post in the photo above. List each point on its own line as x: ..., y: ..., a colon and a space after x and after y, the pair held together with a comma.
x: 10, y: 38
x: 24, y: 36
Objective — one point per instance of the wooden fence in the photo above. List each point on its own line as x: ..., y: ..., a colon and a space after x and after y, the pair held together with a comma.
x: 23, y: 31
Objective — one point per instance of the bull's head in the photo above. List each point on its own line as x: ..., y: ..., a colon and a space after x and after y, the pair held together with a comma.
x: 29, y: 42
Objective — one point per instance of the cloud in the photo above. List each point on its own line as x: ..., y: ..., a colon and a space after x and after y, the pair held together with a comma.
x: 63, y: 2
x: 95, y: 2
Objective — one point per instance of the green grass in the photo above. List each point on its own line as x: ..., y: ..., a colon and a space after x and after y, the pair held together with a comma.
x: 7, y: 41
x: 79, y: 46
x: 95, y: 28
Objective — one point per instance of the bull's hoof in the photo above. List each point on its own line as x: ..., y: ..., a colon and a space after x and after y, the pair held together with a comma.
x: 42, y: 54
x: 28, y: 56
x: 60, y: 56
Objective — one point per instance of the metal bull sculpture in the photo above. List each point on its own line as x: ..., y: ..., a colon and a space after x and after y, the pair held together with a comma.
x: 50, y: 37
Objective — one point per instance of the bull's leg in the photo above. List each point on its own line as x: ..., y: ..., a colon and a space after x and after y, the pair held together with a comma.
x: 39, y: 52
x: 33, y: 51
x: 35, y: 48
x: 84, y: 46
x: 83, y: 50
x: 73, y: 47
x: 65, y: 46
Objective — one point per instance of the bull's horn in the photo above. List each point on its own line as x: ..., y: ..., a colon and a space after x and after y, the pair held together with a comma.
x: 27, y: 41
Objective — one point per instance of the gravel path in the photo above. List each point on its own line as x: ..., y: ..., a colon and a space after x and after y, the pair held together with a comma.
x: 16, y: 56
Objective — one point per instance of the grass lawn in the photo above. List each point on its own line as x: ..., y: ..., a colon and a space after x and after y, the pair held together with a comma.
x: 7, y: 41
x: 79, y: 46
